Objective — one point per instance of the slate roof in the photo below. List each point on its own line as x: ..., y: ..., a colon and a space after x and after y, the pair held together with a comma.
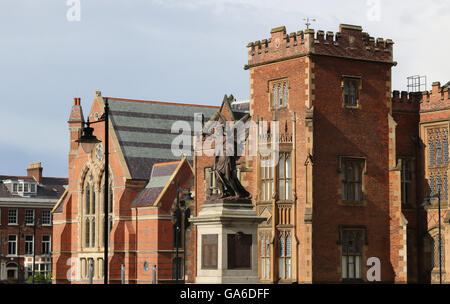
x: 143, y: 129
x: 160, y: 176
x: 49, y: 188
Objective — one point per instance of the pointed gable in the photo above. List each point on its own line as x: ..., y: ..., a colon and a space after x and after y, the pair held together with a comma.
x: 162, y: 176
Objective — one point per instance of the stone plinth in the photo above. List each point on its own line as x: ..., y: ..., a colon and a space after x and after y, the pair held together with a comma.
x: 227, y: 244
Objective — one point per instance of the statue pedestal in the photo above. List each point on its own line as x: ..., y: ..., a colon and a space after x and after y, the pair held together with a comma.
x: 227, y: 242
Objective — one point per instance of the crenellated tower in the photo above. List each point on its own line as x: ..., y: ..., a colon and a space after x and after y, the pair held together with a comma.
x: 331, y: 95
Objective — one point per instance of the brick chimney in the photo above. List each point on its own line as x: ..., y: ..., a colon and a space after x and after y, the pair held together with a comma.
x: 35, y: 170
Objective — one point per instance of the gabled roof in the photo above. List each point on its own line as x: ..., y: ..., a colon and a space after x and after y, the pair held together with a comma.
x: 143, y: 130
x: 59, y: 205
x: 235, y: 109
x: 160, y: 179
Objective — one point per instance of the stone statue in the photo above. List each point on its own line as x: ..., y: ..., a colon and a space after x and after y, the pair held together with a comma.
x: 224, y: 167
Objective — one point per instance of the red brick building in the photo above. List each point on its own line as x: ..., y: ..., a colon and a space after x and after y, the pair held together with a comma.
x: 355, y: 163
x: 24, y: 202
x: 351, y: 176
x: 144, y: 177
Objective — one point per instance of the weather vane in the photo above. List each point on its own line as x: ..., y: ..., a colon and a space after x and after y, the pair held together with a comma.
x: 308, y: 22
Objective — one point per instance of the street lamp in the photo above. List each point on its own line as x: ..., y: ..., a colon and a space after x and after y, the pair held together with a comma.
x: 88, y: 141
x: 20, y: 236
x: 427, y: 202
x: 35, y: 223
x: 180, y: 221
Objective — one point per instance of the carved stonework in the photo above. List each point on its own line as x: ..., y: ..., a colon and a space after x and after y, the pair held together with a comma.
x: 265, y: 212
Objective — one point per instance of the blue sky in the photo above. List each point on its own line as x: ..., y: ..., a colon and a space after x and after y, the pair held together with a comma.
x: 189, y: 51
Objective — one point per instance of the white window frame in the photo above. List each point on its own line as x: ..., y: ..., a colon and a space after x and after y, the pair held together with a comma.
x: 27, y: 244
x: 27, y: 217
x: 47, y: 243
x: 15, y: 244
x: 16, y: 216
x: 49, y: 217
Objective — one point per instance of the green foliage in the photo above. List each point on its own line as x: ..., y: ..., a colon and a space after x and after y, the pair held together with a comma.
x: 40, y: 278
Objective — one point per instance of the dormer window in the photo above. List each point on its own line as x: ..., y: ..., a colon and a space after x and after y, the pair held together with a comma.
x: 20, y: 187
x: 33, y: 188
x: 15, y: 187
x: 25, y: 187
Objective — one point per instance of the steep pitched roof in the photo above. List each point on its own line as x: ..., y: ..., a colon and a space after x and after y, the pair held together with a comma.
x: 60, y: 204
x: 143, y: 129
x: 161, y: 176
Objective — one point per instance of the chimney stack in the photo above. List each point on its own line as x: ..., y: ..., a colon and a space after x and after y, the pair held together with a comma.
x: 35, y: 170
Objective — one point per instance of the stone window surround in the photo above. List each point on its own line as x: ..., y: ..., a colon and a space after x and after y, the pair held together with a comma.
x: 364, y: 248
x: 284, y: 82
x: 284, y: 234
x: 275, y: 179
x: 96, y: 169
x: 358, y: 79
x: 434, y: 237
x: 265, y: 238
x: 97, y: 195
x: 412, y: 170
x: 425, y: 129
x: 363, y: 202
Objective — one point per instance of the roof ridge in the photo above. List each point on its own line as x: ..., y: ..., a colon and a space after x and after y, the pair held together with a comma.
x: 167, y: 163
x: 161, y: 102
x: 31, y: 177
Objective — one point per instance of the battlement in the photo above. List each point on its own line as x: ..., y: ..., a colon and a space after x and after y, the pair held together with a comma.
x: 404, y: 101
x: 349, y: 42
x: 436, y: 99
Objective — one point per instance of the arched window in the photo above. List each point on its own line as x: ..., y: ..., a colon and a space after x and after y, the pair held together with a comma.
x: 284, y: 176
x: 286, y: 98
x: 89, y: 212
x: 281, y: 254
x: 284, y: 259
x: 438, y: 151
x: 430, y: 152
x: 87, y: 231
x: 265, y: 256
x: 275, y: 96
x: 435, y: 252
x: 432, y: 190
x: 445, y: 150
x: 87, y: 198
x: 280, y: 94
x: 110, y: 210
x: 445, y: 190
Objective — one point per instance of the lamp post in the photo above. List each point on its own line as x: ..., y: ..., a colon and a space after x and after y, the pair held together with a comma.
x: 428, y: 203
x: 88, y: 141
x: 180, y: 212
x: 35, y: 223
x: 20, y: 227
